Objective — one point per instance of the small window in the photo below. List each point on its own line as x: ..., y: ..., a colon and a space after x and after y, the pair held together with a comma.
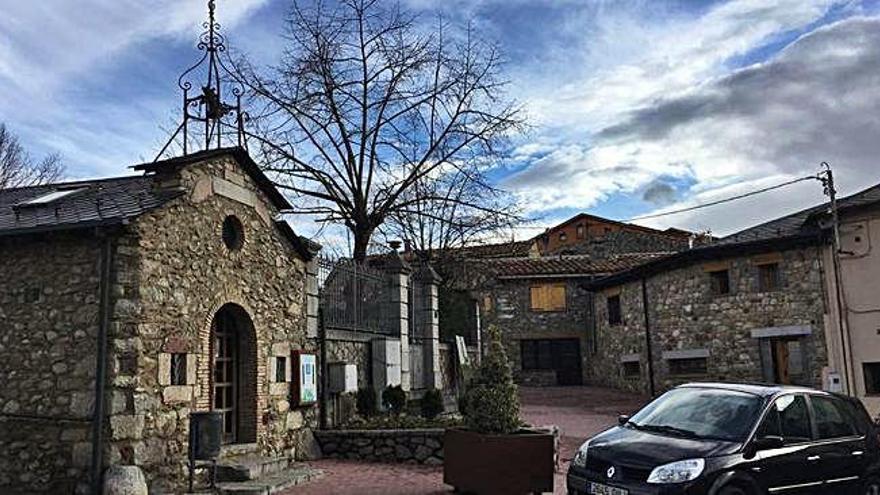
x: 615, y: 316
x: 872, y: 378
x: 720, y: 281
x: 563, y: 237
x: 233, y: 233
x: 547, y: 297
x: 768, y: 277
x: 178, y: 369
x: 831, y: 421
x: 632, y: 369
x: 581, y: 231
x: 280, y: 369
x: 688, y: 366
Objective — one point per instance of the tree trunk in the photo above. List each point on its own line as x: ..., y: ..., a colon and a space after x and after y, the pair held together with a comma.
x: 362, y: 237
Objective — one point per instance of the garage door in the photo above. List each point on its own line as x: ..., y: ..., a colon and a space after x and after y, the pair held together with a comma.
x: 560, y: 355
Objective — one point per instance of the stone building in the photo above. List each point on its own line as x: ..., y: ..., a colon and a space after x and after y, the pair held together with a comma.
x: 750, y: 307
x: 543, y: 311
x: 127, y: 303
x: 582, y: 232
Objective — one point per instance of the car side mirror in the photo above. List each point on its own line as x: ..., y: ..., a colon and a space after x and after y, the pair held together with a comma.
x: 769, y: 442
x: 623, y: 419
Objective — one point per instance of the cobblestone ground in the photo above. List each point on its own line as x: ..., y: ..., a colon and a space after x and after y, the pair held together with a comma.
x: 579, y: 411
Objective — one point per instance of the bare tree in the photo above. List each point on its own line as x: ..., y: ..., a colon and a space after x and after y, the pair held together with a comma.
x: 458, y: 209
x: 17, y: 169
x: 368, y: 106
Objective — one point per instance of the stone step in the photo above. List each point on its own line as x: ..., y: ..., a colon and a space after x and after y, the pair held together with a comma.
x: 274, y: 483
x: 250, y: 467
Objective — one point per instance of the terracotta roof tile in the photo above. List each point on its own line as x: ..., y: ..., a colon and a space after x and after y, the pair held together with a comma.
x: 577, y: 265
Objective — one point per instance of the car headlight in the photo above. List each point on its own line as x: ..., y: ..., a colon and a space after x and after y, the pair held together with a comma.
x: 677, y: 472
x: 580, y: 458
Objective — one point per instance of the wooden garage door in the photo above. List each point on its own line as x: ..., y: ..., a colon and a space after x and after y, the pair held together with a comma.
x: 560, y: 355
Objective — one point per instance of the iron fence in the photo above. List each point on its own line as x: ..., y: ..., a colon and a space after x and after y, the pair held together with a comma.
x: 354, y: 297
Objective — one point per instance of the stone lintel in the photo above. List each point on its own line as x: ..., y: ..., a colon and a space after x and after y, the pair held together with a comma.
x: 233, y: 191
x: 630, y: 358
x: 686, y: 354
x: 784, y: 331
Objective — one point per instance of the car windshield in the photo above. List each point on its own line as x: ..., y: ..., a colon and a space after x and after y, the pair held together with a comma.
x: 700, y: 413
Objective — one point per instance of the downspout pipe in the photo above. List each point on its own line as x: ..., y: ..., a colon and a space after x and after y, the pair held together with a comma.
x: 648, y: 340
x: 106, y: 262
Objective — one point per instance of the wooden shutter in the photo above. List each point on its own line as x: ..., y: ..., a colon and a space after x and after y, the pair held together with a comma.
x: 537, y: 297
x: 557, y: 297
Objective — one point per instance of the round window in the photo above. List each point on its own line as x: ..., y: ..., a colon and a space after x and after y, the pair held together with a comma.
x: 233, y: 233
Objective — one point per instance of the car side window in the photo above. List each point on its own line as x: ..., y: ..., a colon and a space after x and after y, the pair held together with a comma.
x: 831, y: 421
x: 794, y: 418
x: 770, y: 426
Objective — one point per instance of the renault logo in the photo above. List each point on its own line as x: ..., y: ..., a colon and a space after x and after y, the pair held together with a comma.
x: 610, y: 472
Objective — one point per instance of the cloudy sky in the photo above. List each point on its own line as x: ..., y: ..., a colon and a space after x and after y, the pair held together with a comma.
x: 636, y: 106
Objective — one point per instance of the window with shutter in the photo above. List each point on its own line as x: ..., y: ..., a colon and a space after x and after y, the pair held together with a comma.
x: 548, y: 297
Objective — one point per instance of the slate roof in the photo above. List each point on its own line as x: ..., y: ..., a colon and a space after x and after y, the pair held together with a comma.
x: 800, y: 223
x: 95, y: 202
x: 115, y: 200
x: 560, y: 266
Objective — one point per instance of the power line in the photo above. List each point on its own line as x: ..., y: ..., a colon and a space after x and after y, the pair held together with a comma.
x: 725, y: 200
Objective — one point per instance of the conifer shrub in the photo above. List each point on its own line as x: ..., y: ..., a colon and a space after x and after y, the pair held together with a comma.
x: 491, y: 402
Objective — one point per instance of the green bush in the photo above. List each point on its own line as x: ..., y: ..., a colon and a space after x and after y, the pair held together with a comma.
x: 491, y: 402
x: 432, y: 404
x: 366, y: 402
x: 394, y: 398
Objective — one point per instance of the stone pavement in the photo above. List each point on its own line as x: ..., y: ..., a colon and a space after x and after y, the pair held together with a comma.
x: 579, y: 411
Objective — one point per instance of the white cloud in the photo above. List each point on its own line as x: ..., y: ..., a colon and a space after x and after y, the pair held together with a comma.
x: 677, y: 111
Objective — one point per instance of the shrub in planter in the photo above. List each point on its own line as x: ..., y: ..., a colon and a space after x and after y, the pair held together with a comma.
x: 394, y: 398
x: 366, y: 402
x: 491, y: 403
x: 494, y: 454
x: 432, y: 404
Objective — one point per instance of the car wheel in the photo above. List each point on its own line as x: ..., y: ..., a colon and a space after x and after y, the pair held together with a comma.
x: 871, y: 487
x: 734, y: 490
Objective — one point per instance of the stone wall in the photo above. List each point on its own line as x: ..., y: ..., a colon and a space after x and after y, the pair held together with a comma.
x: 731, y: 331
x: 509, y: 309
x: 419, y: 446
x: 48, y: 329
x: 174, y: 274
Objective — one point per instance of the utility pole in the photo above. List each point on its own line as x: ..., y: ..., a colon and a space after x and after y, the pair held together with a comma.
x: 826, y: 176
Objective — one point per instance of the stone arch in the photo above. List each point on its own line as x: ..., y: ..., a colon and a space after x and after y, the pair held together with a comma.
x: 232, y: 372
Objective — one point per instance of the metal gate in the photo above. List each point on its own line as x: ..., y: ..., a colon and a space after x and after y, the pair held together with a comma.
x: 353, y: 297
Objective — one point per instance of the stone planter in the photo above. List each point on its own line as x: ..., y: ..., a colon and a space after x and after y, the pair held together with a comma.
x: 487, y: 464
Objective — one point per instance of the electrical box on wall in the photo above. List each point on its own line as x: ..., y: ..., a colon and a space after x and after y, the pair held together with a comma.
x: 831, y: 381
x: 305, y: 383
x: 342, y: 378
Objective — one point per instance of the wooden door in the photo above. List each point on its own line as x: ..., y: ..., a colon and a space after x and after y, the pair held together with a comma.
x: 780, y: 362
x: 226, y: 375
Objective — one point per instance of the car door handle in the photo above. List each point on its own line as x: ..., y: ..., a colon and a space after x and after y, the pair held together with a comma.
x: 814, y: 458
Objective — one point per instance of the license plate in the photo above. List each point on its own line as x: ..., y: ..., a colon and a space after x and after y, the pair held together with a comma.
x: 600, y: 489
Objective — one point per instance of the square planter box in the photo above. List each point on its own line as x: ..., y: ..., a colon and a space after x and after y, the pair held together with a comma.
x: 514, y: 464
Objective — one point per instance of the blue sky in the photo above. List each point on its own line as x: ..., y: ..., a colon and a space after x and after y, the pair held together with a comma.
x: 636, y: 106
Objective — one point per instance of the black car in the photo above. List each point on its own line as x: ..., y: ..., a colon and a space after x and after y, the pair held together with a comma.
x: 734, y: 439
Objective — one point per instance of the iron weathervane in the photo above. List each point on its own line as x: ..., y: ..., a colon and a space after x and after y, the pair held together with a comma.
x: 207, y: 107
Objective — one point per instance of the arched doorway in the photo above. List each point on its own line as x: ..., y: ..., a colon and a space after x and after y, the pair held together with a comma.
x: 234, y: 373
